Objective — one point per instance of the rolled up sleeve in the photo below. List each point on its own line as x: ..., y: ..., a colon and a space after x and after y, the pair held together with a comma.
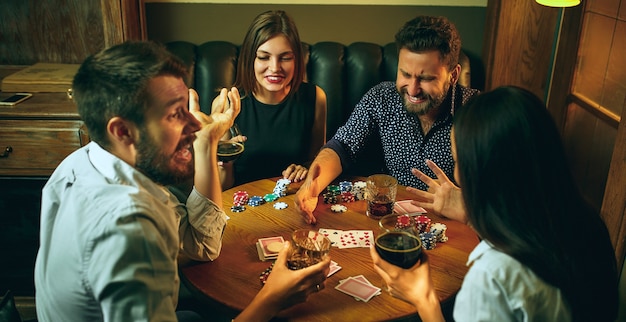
x: 201, y: 228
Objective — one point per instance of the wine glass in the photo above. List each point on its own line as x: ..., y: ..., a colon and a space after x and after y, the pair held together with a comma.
x: 230, y: 150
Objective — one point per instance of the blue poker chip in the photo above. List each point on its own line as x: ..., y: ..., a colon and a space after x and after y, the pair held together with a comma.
x: 255, y: 201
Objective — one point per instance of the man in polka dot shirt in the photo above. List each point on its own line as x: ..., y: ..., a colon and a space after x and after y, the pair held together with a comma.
x: 412, y: 117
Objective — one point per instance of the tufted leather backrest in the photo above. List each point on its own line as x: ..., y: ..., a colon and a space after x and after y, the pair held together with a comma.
x: 344, y: 72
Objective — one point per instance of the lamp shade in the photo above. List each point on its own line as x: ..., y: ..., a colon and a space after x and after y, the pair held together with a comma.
x: 559, y: 3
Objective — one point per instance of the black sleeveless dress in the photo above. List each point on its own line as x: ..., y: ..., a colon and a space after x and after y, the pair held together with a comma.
x: 278, y: 135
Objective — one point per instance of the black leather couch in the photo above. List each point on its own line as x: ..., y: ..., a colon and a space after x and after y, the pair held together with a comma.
x: 345, y: 72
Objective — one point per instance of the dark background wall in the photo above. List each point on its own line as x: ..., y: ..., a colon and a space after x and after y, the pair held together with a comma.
x: 201, y: 22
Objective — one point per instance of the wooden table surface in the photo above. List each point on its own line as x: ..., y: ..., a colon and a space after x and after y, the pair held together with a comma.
x: 232, y: 280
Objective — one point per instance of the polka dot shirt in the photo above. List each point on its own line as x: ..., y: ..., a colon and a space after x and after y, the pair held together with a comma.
x: 381, y: 111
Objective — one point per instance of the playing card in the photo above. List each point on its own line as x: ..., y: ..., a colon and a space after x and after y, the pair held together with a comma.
x: 271, y: 245
x: 406, y: 207
x: 360, y: 278
x: 356, y: 238
x: 365, y: 238
x: 334, y: 268
x: 358, y: 289
x: 348, y: 239
x: 333, y: 234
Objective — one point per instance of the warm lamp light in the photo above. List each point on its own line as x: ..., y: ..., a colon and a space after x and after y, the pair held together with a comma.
x: 559, y: 3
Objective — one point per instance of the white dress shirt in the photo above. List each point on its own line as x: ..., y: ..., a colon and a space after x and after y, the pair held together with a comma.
x: 110, y: 238
x: 499, y: 288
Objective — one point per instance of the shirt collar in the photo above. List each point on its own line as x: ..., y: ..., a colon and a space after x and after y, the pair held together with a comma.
x: 118, y: 171
x: 482, y: 247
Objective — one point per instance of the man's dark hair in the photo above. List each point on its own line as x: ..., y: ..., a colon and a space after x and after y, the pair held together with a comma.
x: 428, y: 33
x: 113, y: 83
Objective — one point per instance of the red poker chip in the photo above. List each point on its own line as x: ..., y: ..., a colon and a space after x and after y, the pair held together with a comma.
x: 403, y: 221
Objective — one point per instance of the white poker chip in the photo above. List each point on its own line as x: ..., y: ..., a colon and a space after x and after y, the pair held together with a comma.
x: 359, y: 184
x: 280, y: 205
x: 338, y: 208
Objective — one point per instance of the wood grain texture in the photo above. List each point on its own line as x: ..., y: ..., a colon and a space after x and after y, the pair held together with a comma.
x: 519, y: 39
x: 64, y: 31
x: 614, y: 203
x: 233, y: 279
x: 41, y: 131
x: 590, y: 135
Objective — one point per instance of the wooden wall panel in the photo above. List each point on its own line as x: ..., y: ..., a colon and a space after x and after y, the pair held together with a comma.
x: 614, y: 204
x: 589, y: 145
x: 589, y: 135
x: 64, y: 31
x: 519, y: 39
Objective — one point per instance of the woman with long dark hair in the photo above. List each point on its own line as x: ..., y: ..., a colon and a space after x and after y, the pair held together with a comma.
x: 545, y: 254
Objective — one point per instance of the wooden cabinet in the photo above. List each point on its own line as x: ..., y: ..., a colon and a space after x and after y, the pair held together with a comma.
x: 43, y: 130
x: 37, y: 134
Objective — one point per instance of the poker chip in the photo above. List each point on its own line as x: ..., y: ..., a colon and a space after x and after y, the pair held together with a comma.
x: 439, y: 230
x: 345, y: 186
x: 240, y: 198
x: 429, y: 241
x: 338, y: 208
x: 330, y: 198
x: 422, y: 223
x: 265, y: 274
x: 256, y: 201
x: 282, y: 186
x: 403, y: 221
x: 333, y: 189
x: 283, y: 182
x: 237, y: 208
x: 347, y: 196
x: 270, y: 197
x: 358, y: 190
x: 280, y: 205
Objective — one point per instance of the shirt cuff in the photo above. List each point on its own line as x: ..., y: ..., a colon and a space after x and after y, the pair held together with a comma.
x: 342, y: 152
x: 204, y: 214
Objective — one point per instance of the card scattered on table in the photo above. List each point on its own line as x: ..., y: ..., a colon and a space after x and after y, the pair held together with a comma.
x: 406, y: 207
x: 348, y: 238
x: 268, y: 248
x: 358, y: 287
x: 334, y: 268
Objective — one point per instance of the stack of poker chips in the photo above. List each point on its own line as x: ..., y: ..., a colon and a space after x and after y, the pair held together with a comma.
x: 345, y: 186
x: 330, y: 198
x: 439, y: 230
x: 358, y: 190
x: 331, y: 195
x: 240, y: 199
x: 265, y: 274
x: 422, y: 223
x: 334, y: 189
x: 347, y: 196
x: 429, y: 240
x: 403, y: 222
x: 256, y: 201
x: 270, y: 197
x: 282, y: 186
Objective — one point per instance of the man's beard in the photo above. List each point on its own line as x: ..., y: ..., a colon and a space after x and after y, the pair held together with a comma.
x: 157, y: 166
x: 427, y: 105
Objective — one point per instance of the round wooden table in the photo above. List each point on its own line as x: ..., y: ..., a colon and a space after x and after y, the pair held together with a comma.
x: 232, y: 280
